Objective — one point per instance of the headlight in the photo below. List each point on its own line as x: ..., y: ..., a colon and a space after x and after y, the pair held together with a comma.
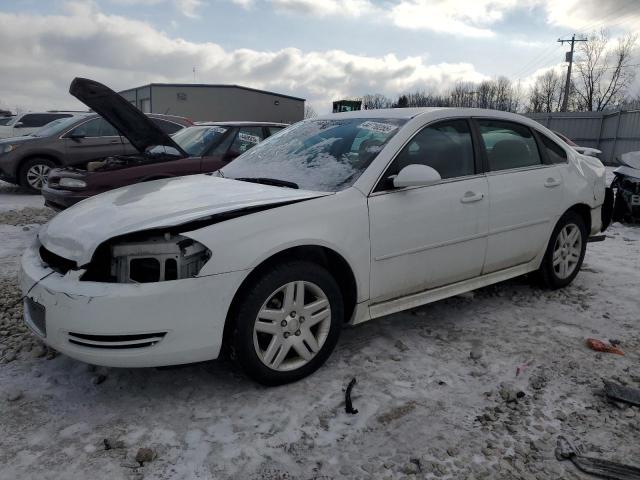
x: 10, y: 147
x: 66, y: 182
x: 170, y: 257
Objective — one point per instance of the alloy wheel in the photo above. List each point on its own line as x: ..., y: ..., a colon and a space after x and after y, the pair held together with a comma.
x: 567, y: 251
x: 37, y: 175
x: 292, y: 326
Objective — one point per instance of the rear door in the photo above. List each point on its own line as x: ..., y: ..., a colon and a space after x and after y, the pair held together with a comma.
x: 525, y: 193
x: 90, y: 140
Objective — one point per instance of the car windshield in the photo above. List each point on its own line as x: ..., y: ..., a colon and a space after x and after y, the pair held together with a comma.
x: 196, y: 141
x: 321, y: 155
x: 55, y: 127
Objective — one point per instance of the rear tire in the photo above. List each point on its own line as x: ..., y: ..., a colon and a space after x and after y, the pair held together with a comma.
x: 287, y: 322
x: 565, y: 252
x: 34, y: 172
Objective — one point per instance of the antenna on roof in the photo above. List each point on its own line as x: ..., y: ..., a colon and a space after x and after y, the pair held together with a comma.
x: 194, y: 74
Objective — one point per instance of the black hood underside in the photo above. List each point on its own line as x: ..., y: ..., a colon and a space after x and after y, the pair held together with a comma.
x: 127, y: 119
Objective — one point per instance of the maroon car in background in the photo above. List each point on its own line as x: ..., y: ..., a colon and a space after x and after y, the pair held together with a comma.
x: 202, y: 148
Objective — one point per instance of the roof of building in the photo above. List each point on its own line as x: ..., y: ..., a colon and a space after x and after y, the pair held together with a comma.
x: 211, y: 85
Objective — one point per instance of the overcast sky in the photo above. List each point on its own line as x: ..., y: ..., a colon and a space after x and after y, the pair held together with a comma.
x: 321, y: 50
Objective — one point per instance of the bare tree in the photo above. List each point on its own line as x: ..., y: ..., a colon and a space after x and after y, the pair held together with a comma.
x: 604, y: 72
x: 546, y: 93
x: 376, y: 101
x: 309, y: 111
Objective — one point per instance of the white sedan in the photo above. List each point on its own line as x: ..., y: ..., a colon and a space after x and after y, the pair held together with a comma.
x: 334, y: 221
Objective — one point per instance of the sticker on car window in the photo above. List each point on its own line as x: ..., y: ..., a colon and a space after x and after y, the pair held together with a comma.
x: 218, y: 129
x: 378, y: 127
x: 245, y: 137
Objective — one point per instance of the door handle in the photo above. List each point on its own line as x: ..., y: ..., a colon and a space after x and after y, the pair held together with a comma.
x: 470, y: 197
x: 552, y: 182
x: 114, y: 141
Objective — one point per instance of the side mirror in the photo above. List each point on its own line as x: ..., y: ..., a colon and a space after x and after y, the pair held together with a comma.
x: 416, y: 175
x: 76, y: 136
x: 19, y: 125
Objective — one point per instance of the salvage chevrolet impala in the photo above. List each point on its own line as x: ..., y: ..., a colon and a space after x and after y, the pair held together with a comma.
x: 336, y: 220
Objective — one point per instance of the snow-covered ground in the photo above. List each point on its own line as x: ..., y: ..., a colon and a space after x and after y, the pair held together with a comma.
x: 430, y: 392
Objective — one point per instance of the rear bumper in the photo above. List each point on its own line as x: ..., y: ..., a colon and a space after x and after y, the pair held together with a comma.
x: 61, y: 199
x: 127, y: 325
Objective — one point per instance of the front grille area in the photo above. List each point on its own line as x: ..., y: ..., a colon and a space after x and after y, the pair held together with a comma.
x: 56, y: 262
x: 140, y: 340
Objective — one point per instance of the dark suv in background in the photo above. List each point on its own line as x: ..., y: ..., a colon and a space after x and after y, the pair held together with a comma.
x: 68, y: 142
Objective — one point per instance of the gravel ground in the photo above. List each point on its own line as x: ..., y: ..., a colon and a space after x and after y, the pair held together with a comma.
x: 476, y: 386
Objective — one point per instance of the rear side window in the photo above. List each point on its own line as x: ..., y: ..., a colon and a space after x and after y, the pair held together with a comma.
x: 446, y: 147
x: 166, y: 126
x: 509, y: 145
x: 555, y: 152
x: 35, y: 120
x: 246, y: 138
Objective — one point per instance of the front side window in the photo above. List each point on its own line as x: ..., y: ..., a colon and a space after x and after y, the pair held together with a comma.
x: 107, y: 130
x: 446, y: 147
x: 509, y: 145
x: 87, y: 129
x: 555, y: 153
x: 323, y: 155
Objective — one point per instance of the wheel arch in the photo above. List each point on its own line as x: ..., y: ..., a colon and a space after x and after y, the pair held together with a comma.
x: 31, y: 156
x: 333, y: 261
x: 584, y: 211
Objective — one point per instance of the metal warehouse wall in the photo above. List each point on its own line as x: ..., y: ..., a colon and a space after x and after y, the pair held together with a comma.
x: 614, y: 133
x: 224, y: 104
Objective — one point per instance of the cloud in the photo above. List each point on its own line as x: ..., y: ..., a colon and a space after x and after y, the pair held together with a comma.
x: 188, y: 8
x: 353, y: 8
x: 588, y: 15
x: 42, y: 53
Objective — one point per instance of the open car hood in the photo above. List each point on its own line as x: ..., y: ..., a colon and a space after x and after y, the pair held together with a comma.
x: 76, y: 232
x: 631, y: 159
x: 127, y: 119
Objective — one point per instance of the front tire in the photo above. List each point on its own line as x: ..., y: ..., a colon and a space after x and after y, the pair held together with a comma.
x: 565, y: 252
x: 34, y: 173
x: 287, y: 322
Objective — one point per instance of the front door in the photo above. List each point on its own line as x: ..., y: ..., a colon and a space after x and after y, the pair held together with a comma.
x: 91, y: 140
x: 426, y: 237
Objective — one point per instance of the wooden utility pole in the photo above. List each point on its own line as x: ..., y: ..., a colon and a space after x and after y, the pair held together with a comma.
x: 569, y: 57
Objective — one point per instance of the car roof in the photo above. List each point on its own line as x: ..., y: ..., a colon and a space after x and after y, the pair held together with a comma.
x: 242, y: 123
x: 408, y: 113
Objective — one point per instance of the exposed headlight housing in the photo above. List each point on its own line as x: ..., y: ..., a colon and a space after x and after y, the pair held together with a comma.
x: 10, y: 147
x: 73, y: 183
x: 157, y: 259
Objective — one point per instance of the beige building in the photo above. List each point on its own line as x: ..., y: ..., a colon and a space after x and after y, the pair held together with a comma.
x: 202, y: 102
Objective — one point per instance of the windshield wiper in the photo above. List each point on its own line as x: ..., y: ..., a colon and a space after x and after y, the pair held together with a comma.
x: 269, y: 181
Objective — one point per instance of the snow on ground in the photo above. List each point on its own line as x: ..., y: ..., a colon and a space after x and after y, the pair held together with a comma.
x: 431, y: 389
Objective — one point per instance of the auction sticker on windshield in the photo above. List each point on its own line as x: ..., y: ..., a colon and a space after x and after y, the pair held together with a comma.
x: 245, y: 137
x: 378, y: 127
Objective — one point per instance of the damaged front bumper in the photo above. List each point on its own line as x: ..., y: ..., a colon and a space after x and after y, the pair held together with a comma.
x: 127, y: 325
